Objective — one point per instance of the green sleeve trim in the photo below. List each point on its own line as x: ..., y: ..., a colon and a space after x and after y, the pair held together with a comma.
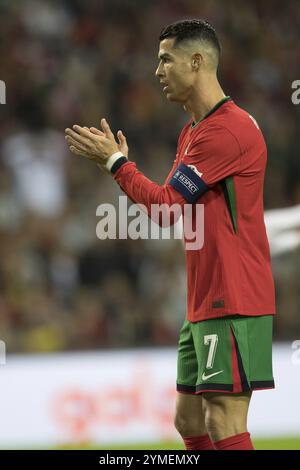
x: 230, y: 197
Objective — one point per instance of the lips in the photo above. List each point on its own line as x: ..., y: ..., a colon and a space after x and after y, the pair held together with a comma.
x: 166, y: 86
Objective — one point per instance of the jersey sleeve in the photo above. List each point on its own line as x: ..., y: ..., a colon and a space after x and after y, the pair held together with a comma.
x: 142, y: 190
x: 213, y: 156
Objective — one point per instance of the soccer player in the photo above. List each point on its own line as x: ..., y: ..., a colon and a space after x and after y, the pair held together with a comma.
x: 225, y: 344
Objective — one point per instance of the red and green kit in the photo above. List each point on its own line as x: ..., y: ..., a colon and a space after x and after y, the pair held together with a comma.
x: 220, y: 163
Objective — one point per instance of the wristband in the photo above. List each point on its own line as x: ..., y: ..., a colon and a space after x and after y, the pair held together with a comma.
x: 113, y: 159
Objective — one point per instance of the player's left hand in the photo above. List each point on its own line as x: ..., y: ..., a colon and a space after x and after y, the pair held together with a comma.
x: 91, y: 145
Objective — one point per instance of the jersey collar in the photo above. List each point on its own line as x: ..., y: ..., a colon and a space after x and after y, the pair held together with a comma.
x: 217, y: 106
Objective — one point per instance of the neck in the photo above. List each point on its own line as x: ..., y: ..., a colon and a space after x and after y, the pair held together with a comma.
x: 204, y: 98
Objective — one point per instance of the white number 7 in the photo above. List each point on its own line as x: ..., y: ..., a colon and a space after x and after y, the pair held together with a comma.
x: 212, y: 341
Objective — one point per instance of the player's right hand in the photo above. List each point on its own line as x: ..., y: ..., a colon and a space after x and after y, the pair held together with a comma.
x: 123, y: 146
x: 95, y: 144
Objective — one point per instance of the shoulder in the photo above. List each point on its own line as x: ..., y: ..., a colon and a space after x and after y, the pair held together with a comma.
x: 216, y: 136
x: 241, y: 124
x: 233, y: 125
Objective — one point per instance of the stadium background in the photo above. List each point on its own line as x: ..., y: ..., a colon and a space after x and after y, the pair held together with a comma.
x: 63, y: 290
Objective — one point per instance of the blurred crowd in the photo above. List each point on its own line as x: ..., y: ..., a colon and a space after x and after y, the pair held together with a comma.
x: 70, y: 61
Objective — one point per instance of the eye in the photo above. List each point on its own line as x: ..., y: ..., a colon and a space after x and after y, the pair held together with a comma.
x: 165, y: 59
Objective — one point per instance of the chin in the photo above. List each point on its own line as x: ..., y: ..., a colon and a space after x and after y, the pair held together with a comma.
x: 172, y: 97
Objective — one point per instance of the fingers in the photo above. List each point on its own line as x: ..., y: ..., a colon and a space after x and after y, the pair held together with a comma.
x: 78, y: 138
x: 123, y: 147
x: 96, y: 131
x: 84, y: 132
x: 78, y: 149
x: 74, y: 143
x: 93, y: 143
x: 106, y: 128
x: 82, y: 135
x: 80, y: 153
x: 121, y: 137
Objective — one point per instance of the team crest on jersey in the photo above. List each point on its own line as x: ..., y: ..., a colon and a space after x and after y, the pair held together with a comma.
x: 195, y: 170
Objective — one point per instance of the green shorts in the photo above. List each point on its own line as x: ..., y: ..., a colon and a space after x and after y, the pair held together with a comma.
x: 230, y: 355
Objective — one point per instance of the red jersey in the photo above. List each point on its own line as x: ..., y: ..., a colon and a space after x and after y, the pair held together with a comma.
x: 220, y: 163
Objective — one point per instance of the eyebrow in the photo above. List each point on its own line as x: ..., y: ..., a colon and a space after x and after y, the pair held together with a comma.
x: 165, y: 55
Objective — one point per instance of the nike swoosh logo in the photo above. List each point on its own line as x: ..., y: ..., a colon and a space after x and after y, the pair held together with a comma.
x: 206, y: 377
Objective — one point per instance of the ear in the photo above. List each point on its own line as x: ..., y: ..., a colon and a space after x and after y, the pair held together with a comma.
x: 197, y: 61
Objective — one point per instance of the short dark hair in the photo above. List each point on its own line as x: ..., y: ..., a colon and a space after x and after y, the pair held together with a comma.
x: 192, y: 29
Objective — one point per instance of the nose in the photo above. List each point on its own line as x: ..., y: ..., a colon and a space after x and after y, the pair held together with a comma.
x: 158, y: 71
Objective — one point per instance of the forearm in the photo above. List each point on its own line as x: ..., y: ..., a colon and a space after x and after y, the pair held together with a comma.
x: 163, y: 204
x: 141, y: 190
